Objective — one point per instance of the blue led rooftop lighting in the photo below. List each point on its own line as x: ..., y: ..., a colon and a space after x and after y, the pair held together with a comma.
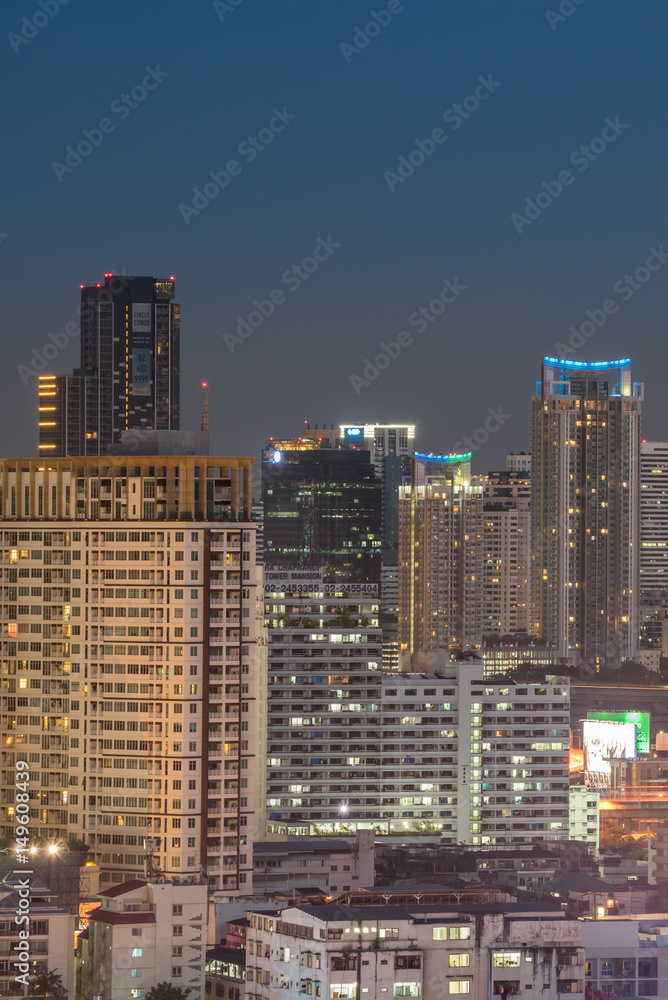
x: 464, y: 457
x: 559, y: 362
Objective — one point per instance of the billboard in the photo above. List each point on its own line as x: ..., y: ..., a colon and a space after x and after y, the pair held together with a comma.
x: 141, y: 317
x: 602, y: 740
x: 641, y: 720
x: 280, y: 577
x: 141, y: 371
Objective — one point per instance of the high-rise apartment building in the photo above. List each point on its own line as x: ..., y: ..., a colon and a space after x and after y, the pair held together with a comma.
x: 585, y: 522
x: 653, y: 516
x: 129, y: 374
x: 325, y: 681
x: 507, y: 550
x: 518, y: 462
x: 380, y: 440
x: 322, y: 507
x: 481, y: 762
x: 653, y: 541
x: 441, y: 523
x: 128, y: 631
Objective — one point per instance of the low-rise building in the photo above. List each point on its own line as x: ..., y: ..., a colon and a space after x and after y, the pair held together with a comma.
x: 225, y: 973
x: 52, y: 928
x: 583, y: 814
x: 342, y: 952
x: 627, y: 957
x: 323, y: 863
x: 144, y: 933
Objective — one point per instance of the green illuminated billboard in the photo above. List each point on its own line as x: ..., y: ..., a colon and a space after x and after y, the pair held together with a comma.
x: 641, y: 720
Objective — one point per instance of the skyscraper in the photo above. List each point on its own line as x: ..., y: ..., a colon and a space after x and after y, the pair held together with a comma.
x: 322, y: 507
x: 585, y: 532
x: 129, y: 375
x: 653, y: 540
x: 128, y: 666
x: 440, y: 557
x: 507, y: 507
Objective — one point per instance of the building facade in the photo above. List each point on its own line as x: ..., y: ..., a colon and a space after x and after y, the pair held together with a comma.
x: 511, y: 492
x: 343, y: 952
x: 627, y: 957
x: 583, y: 814
x: 129, y: 374
x: 145, y: 933
x: 128, y: 668
x: 478, y: 762
x: 440, y: 559
x: 52, y: 926
x: 585, y: 521
x: 324, y: 690
x: 322, y: 507
x: 323, y: 864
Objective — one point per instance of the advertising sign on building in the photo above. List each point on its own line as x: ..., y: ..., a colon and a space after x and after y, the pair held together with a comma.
x: 603, y: 741
x: 141, y: 317
x: 141, y: 371
x: 283, y: 577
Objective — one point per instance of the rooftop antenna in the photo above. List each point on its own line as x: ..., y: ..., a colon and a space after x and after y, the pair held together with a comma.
x: 204, y: 426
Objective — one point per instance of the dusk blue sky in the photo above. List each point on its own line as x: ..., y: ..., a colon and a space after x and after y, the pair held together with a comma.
x: 323, y: 176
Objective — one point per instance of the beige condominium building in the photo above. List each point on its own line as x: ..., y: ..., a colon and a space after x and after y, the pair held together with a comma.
x: 128, y: 632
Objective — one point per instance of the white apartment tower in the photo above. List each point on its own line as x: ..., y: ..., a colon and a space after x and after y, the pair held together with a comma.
x: 653, y: 516
x: 585, y: 533
x: 441, y: 525
x: 128, y: 631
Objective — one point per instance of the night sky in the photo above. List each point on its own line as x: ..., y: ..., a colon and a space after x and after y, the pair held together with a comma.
x: 221, y: 73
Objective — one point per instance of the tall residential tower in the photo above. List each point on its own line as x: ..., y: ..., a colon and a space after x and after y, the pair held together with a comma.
x: 129, y: 375
x: 585, y: 531
x: 128, y: 659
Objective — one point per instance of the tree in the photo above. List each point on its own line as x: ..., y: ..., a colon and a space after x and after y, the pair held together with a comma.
x: 78, y: 847
x: 614, y: 837
x: 165, y: 991
x: 48, y: 984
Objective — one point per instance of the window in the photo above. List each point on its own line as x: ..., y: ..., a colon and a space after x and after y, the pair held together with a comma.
x: 459, y: 960
x: 407, y: 989
x: 135, y: 973
x: 136, y: 953
x: 459, y: 986
x: 451, y: 933
x: 342, y: 990
x: 136, y: 931
x: 506, y: 959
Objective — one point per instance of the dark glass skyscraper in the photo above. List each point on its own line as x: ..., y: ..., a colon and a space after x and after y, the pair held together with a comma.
x: 322, y: 507
x: 129, y: 377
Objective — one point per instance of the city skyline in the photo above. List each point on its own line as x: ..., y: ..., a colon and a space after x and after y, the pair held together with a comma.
x: 523, y: 287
